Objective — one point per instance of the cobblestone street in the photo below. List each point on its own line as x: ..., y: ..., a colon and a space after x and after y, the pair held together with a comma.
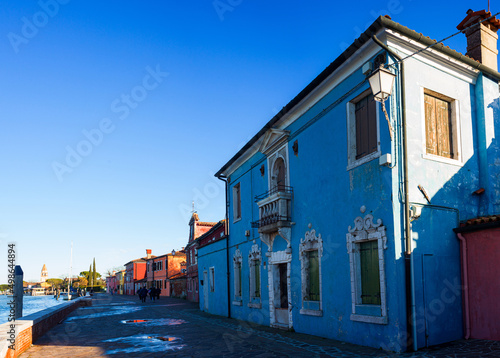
x: 120, y: 326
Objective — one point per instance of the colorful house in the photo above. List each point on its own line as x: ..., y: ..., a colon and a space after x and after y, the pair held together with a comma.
x: 120, y: 281
x: 196, y: 229
x: 341, y: 209
x: 135, y: 272
x: 212, y: 270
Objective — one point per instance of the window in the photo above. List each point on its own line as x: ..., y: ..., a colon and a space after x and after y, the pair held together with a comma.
x: 237, y: 260
x: 255, y: 283
x: 440, y: 125
x: 370, y: 277
x: 254, y: 262
x: 366, y: 243
x: 312, y: 293
x: 366, y: 127
x: 310, y: 252
x: 236, y: 202
x: 212, y: 279
x: 362, y: 124
x: 195, y: 256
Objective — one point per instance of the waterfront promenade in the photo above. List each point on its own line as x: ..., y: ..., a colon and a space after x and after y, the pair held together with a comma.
x: 174, y: 327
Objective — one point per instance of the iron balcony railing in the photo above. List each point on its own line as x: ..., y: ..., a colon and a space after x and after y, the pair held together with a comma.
x: 270, y: 220
x: 276, y: 189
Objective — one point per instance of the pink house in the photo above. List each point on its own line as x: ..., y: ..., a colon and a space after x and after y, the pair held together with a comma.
x: 480, y: 254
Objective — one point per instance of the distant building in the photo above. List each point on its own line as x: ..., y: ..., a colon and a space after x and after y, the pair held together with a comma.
x: 45, y: 274
x: 135, y: 272
x: 212, y: 270
x: 197, y: 229
x: 160, y: 268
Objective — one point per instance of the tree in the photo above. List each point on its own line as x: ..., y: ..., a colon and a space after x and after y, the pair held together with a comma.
x: 94, y: 277
x: 56, y: 282
x: 90, y: 275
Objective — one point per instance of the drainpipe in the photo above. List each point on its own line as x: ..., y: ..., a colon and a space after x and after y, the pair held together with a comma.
x: 226, y: 232
x: 463, y: 245
x: 410, y: 289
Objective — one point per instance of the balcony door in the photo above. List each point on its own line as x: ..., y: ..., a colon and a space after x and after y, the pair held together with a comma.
x: 279, y: 175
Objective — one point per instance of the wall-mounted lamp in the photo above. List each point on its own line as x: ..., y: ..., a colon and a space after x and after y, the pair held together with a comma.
x: 381, y: 83
x: 173, y: 252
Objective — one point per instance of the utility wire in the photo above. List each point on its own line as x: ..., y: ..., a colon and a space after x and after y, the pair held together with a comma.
x: 449, y: 37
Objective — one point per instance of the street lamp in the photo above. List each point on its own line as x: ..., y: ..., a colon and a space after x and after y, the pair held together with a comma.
x: 381, y: 82
x: 173, y: 252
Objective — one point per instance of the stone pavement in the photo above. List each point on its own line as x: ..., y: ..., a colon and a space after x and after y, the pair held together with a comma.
x: 173, y: 327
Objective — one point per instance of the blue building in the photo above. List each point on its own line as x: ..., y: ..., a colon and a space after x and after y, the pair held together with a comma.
x: 341, y: 209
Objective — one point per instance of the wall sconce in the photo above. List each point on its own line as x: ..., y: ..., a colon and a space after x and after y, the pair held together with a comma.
x: 381, y: 83
x: 295, y: 148
x: 262, y: 170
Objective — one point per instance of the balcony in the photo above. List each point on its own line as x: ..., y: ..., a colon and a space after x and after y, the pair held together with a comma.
x: 274, y: 209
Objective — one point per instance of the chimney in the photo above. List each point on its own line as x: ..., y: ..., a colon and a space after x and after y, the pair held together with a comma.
x: 148, y: 253
x: 481, y: 39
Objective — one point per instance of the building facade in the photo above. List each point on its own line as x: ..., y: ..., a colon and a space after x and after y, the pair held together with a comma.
x: 342, y: 209
x: 212, y: 270
x: 197, y: 229
x: 135, y: 272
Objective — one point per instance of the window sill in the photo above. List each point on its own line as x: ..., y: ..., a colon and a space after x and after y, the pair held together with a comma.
x: 365, y: 159
x: 255, y: 305
x: 317, y: 313
x: 236, y: 220
x: 437, y: 158
x: 369, y: 319
x: 237, y: 303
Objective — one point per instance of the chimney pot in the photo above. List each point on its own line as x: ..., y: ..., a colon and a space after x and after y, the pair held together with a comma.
x: 482, y: 38
x: 148, y: 253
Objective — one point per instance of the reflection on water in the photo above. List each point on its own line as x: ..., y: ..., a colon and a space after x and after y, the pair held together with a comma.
x: 146, y: 343
x: 111, y: 311
x: 156, y: 322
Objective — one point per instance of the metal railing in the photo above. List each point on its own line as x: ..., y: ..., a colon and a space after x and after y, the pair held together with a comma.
x: 274, y: 190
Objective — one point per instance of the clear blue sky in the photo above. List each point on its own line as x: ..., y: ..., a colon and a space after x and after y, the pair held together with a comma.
x: 84, y: 66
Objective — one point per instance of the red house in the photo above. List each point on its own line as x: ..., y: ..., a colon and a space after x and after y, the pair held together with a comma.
x: 480, y: 254
x: 135, y: 271
x: 196, y: 230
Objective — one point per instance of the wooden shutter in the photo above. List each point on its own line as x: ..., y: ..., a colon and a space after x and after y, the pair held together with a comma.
x: 438, y: 127
x: 257, y: 278
x: 366, y: 127
x: 313, y: 279
x: 370, y: 276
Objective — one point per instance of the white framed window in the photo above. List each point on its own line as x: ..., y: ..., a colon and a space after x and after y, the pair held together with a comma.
x: 237, y: 261
x: 310, y: 253
x: 254, y: 264
x: 236, y: 202
x: 366, y: 243
x: 363, y: 133
x: 195, y: 256
x: 212, y: 278
x: 441, y: 127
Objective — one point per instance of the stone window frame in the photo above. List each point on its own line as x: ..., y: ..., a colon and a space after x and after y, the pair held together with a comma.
x: 366, y: 230
x: 237, y: 260
x: 352, y: 162
x: 310, y: 242
x: 255, y: 255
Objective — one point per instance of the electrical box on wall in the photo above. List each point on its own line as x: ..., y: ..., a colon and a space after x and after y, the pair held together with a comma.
x: 367, y: 68
x: 385, y: 160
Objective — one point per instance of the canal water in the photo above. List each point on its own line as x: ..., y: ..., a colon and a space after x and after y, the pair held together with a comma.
x: 31, y: 304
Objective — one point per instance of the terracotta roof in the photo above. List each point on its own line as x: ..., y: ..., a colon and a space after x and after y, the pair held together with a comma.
x: 476, y: 16
x: 479, y: 223
x: 177, y: 276
x: 204, y: 223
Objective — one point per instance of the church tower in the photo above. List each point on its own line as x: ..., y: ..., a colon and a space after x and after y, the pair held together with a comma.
x: 45, y: 274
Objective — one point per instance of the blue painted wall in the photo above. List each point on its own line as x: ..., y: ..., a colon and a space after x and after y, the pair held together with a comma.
x: 329, y: 197
x: 214, y: 255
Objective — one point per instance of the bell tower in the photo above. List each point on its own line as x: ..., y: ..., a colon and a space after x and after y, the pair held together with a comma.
x: 45, y: 274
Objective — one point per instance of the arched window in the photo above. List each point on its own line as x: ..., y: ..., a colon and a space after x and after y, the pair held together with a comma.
x: 279, y: 175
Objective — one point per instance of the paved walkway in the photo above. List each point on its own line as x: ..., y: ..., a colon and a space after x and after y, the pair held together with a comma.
x: 173, y: 327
